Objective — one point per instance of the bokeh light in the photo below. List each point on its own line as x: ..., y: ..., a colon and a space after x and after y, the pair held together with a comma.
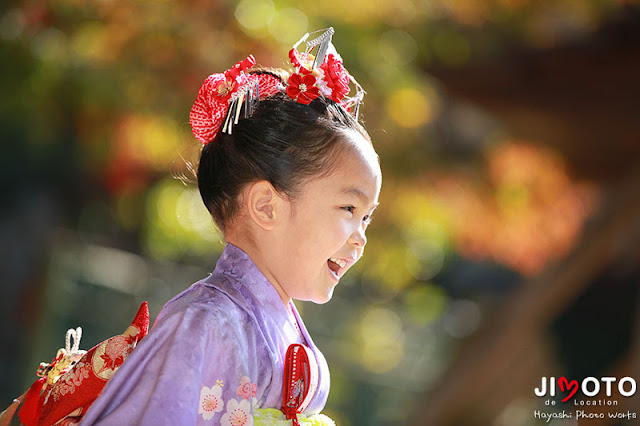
x: 178, y: 223
x: 287, y: 24
x: 397, y: 47
x: 462, y: 318
x: 411, y: 107
x: 425, y: 304
x: 255, y: 15
x: 380, y: 340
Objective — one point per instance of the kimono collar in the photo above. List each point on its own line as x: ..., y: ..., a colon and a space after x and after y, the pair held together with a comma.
x: 247, y: 277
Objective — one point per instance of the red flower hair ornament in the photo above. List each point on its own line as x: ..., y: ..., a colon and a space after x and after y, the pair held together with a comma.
x: 221, y: 96
x: 322, y: 74
x: 302, y: 88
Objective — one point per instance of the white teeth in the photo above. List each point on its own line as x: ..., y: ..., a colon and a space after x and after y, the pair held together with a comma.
x: 339, y: 262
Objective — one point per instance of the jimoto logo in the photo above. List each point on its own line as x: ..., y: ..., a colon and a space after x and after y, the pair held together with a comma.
x: 604, y: 392
x: 590, y: 387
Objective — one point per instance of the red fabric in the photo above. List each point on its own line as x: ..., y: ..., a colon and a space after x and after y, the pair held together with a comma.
x: 336, y: 76
x: 73, y: 393
x: 303, y: 61
x: 32, y: 406
x: 212, y: 103
x: 303, y: 89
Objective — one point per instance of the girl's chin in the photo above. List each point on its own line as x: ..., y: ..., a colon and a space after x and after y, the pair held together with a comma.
x: 322, y: 296
x: 321, y: 300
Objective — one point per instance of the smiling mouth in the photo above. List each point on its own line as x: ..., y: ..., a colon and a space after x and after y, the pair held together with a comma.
x: 335, y: 265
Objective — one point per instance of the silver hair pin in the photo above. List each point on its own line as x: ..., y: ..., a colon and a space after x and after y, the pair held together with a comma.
x: 323, y: 41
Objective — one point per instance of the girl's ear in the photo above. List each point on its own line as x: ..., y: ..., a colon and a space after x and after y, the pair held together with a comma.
x: 263, y: 201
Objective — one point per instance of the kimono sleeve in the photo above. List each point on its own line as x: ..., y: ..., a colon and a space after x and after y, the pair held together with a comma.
x: 199, y: 365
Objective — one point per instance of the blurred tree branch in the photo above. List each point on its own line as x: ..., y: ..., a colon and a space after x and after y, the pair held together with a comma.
x: 509, y: 343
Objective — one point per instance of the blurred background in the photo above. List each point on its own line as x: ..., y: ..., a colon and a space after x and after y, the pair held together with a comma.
x: 507, y: 245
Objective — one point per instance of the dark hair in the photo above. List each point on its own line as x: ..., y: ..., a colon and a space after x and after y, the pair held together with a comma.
x: 283, y: 142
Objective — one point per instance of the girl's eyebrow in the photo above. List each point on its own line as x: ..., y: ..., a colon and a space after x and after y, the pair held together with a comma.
x: 352, y: 190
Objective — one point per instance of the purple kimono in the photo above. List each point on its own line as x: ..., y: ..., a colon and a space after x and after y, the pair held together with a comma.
x: 215, y: 353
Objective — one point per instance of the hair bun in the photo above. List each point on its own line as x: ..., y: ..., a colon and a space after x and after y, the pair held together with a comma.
x: 212, y: 103
x: 209, y: 109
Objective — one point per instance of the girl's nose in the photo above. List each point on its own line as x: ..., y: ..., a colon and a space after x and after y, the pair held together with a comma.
x: 358, y: 237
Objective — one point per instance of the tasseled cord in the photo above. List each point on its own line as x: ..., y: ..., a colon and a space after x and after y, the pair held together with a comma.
x: 292, y: 414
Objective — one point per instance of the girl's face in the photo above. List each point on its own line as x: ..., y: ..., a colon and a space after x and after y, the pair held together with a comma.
x: 324, y: 233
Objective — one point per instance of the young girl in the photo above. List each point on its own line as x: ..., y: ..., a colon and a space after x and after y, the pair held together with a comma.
x: 291, y: 179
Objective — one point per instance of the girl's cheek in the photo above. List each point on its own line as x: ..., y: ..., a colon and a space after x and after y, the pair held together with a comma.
x: 342, y: 231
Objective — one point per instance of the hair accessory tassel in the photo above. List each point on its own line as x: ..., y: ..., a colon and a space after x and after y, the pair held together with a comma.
x: 358, y: 98
x: 226, y: 128
x: 255, y: 100
x: 248, y: 96
x: 239, y: 102
x: 232, y: 114
x: 257, y: 92
x: 247, y: 103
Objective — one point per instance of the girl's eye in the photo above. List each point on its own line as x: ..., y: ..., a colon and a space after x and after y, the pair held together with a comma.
x: 367, y: 219
x: 350, y: 209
